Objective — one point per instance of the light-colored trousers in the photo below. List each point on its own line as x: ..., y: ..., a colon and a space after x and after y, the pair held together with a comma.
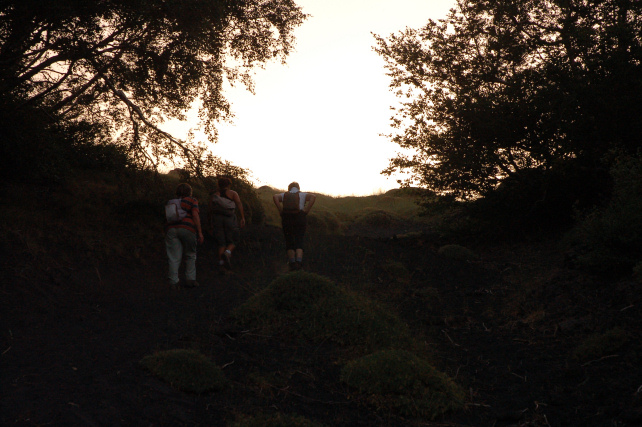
x: 180, y: 242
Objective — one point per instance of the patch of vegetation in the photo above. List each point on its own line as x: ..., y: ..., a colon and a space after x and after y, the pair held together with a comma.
x: 600, y: 345
x: 608, y: 241
x: 395, y: 272
x: 275, y: 420
x: 637, y: 272
x: 401, y: 381
x: 187, y: 370
x: 430, y: 296
x: 532, y: 204
x: 410, y: 192
x: 306, y: 306
x: 34, y: 150
x: 457, y: 252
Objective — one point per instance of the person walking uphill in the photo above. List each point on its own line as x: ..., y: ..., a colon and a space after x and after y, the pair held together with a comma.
x: 182, y: 236
x: 294, y: 207
x: 224, y: 204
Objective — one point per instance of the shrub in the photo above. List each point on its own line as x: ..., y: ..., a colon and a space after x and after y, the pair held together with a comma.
x: 457, y: 252
x: 609, y: 240
x: 310, y: 307
x: 399, y: 380
x: 541, y: 201
x: 187, y: 370
x: 276, y: 420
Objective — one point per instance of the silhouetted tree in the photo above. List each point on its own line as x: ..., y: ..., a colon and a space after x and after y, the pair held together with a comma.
x: 502, y: 86
x: 125, y: 66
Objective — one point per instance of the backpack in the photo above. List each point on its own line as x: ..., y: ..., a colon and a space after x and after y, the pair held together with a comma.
x: 291, y: 202
x: 222, y: 206
x: 174, y: 212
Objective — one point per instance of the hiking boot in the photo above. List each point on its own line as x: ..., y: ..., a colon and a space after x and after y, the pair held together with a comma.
x: 299, y: 265
x: 191, y: 284
x: 175, y: 286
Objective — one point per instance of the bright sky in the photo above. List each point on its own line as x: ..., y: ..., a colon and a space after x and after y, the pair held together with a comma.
x: 318, y: 119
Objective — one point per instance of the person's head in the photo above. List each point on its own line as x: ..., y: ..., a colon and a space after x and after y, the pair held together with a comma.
x: 183, y: 190
x: 294, y: 185
x: 224, y: 183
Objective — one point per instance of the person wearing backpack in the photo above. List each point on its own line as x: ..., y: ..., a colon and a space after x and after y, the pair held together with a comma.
x: 223, y: 207
x: 182, y: 236
x: 294, y: 207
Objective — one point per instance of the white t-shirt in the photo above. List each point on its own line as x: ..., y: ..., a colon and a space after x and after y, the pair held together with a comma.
x: 302, y: 197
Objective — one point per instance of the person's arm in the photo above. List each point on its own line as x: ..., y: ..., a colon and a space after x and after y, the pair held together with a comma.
x: 197, y: 223
x: 239, y: 206
x: 310, y: 199
x: 277, y: 202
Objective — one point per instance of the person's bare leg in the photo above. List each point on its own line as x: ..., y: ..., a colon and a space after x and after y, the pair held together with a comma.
x: 291, y: 258
x: 226, y: 256
x: 299, y: 258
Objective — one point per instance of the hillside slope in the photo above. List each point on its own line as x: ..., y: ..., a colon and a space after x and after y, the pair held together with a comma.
x: 84, y: 299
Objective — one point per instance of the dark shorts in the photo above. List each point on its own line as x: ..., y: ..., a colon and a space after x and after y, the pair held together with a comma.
x: 225, y: 230
x: 294, y: 229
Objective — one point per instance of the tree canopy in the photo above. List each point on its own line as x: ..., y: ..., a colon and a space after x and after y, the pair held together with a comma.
x: 500, y: 87
x: 122, y: 67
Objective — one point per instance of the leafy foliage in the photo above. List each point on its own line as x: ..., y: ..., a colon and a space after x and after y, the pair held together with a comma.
x: 542, y: 201
x: 310, y: 307
x: 124, y: 67
x: 32, y: 150
x: 187, y: 370
x: 397, y: 379
x: 505, y: 86
x: 608, y: 240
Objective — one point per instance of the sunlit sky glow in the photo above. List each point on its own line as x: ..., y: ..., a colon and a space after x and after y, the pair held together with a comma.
x: 318, y: 118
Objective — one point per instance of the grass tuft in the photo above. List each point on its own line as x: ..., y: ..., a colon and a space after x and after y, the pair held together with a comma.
x: 275, y: 420
x: 401, y: 381
x: 457, y: 252
x: 600, y: 345
x: 310, y: 307
x: 187, y: 370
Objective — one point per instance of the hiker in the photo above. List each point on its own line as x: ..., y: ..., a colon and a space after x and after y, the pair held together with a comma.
x: 294, y: 207
x: 181, y: 238
x: 223, y: 207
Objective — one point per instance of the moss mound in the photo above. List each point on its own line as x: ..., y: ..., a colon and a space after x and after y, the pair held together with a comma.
x: 401, y: 381
x: 310, y: 307
x: 324, y: 221
x: 375, y: 218
x: 187, y: 370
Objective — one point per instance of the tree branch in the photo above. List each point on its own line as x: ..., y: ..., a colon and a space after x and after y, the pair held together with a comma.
x: 192, y: 157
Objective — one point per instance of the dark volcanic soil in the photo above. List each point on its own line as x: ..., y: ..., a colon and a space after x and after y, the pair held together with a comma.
x: 505, y: 327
